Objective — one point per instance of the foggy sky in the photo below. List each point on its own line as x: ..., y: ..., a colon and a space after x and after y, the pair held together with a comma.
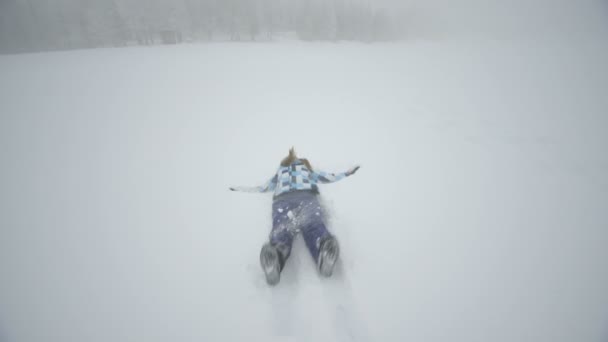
x: 518, y: 18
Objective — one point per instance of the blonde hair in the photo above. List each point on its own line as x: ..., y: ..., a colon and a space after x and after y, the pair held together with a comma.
x: 291, y: 157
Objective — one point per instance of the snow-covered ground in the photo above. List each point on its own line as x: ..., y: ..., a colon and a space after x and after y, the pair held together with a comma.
x: 480, y: 212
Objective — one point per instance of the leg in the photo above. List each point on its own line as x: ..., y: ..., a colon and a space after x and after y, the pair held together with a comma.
x: 275, y: 253
x: 314, y: 234
x: 323, y: 247
x: 283, y: 231
x: 313, y: 228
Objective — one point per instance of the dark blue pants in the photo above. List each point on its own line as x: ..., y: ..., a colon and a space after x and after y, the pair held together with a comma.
x: 294, y: 212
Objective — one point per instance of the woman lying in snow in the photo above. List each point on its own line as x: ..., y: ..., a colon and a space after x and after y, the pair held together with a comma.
x: 296, y: 208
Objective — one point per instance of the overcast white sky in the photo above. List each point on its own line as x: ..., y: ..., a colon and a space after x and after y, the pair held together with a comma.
x: 503, y: 18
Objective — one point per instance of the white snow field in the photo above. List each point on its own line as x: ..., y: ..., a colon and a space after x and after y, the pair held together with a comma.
x: 480, y: 212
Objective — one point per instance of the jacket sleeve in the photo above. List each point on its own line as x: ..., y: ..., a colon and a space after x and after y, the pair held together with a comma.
x: 327, y: 177
x: 270, y: 185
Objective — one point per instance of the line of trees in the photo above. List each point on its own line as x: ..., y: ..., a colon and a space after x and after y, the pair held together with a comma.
x: 33, y: 25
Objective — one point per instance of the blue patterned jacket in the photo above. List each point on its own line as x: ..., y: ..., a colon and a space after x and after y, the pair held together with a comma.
x: 296, y: 177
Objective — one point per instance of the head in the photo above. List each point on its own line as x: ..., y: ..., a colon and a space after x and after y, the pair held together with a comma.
x: 291, y: 157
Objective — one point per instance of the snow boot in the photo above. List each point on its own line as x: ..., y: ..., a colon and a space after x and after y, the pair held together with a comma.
x: 328, y: 255
x: 270, y: 259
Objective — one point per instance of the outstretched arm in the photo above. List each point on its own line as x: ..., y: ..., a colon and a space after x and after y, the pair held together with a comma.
x: 326, y: 177
x: 268, y: 186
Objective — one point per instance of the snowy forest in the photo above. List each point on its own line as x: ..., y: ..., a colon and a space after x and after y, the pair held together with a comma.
x: 29, y: 25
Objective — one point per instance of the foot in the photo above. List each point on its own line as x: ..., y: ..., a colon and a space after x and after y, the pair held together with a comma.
x: 271, y: 264
x: 328, y: 255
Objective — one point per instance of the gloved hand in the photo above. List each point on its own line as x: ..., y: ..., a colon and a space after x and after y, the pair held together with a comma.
x: 353, y: 170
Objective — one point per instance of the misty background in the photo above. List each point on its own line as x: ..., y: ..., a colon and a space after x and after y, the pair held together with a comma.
x: 40, y: 25
x: 31, y: 25
x: 479, y: 214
